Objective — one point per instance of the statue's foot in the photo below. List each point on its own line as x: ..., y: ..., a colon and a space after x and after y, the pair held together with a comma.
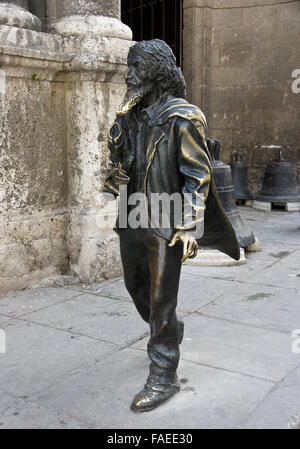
x: 152, y: 396
x: 180, y: 331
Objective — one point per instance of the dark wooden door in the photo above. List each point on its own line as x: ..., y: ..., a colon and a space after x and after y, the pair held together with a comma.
x: 161, y: 19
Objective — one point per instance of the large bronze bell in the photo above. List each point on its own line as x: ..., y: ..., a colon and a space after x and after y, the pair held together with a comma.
x: 239, y: 172
x: 223, y: 180
x: 280, y: 183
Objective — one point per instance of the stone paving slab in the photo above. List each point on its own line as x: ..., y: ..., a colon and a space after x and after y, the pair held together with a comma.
x: 38, y: 356
x: 16, y: 304
x: 259, y: 268
x: 77, y: 354
x: 268, y: 307
x: 95, y: 316
x: 115, y: 290
x: 192, y: 293
x: 286, y: 273
x: 197, y: 291
x: 280, y: 409
x: 17, y: 413
x: 6, y: 322
x: 235, y: 347
x: 241, y: 348
x: 102, y: 395
x: 101, y: 288
x: 255, y: 262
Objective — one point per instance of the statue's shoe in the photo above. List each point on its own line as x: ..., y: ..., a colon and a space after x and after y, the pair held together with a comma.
x: 152, y: 396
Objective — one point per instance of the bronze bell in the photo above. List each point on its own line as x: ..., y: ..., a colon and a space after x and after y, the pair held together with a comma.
x: 223, y: 180
x: 280, y: 183
x: 239, y: 172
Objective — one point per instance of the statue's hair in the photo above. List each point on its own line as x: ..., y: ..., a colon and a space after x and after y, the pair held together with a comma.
x: 159, y: 61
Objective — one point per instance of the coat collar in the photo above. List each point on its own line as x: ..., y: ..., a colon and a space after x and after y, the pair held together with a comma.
x: 159, y: 113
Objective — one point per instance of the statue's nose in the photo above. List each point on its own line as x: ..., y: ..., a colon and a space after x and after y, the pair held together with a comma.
x: 129, y: 76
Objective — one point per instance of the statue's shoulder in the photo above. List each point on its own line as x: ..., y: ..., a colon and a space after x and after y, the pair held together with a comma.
x: 178, y: 107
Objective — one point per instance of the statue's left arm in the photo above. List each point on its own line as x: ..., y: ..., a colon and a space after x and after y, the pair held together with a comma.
x: 195, y: 168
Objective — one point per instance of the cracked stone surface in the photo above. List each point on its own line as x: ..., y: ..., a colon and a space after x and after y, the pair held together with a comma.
x: 76, y: 354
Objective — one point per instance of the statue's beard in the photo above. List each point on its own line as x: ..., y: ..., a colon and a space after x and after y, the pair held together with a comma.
x: 133, y: 97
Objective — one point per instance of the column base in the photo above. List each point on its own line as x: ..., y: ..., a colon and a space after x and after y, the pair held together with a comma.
x: 16, y: 16
x: 98, y: 25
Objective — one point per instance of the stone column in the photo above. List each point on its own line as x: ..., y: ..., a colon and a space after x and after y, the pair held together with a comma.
x: 99, y: 42
x: 15, y: 13
x: 79, y: 17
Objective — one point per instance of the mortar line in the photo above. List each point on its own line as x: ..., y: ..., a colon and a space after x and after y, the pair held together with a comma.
x: 41, y: 308
x: 198, y: 312
x: 241, y: 281
x: 274, y: 388
x: 73, y: 332
x: 27, y: 400
x: 242, y: 7
x: 219, y: 368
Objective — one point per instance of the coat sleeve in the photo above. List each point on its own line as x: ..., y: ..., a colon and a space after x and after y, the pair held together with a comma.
x: 195, y: 168
x: 116, y: 145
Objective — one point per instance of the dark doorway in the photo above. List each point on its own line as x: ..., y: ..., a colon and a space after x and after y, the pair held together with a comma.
x: 150, y: 19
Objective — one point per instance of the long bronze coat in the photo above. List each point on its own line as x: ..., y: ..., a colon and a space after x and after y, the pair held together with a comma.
x: 177, y: 160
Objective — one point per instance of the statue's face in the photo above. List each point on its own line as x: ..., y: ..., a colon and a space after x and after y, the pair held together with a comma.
x: 138, y: 84
x: 136, y: 76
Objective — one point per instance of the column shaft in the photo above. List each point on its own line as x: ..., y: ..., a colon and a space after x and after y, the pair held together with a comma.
x: 65, y: 8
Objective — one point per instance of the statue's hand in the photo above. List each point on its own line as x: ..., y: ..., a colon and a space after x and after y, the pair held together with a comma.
x: 119, y: 177
x: 190, y: 245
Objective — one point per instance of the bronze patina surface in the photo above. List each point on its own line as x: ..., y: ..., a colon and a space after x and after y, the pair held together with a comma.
x: 158, y: 146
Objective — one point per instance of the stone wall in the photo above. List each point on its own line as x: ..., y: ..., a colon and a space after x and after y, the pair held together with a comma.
x: 58, y: 97
x: 239, y: 56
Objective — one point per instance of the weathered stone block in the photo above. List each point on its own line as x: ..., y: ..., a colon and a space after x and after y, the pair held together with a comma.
x: 265, y: 98
x: 230, y: 76
x: 227, y: 99
x: 291, y: 12
x: 226, y: 17
x: 235, y: 54
x: 263, y: 16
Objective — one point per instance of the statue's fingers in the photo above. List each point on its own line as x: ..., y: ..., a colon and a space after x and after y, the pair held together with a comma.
x: 195, y: 251
x: 190, y: 249
x: 121, y: 178
x: 185, y: 250
x: 174, y: 240
x: 184, y: 258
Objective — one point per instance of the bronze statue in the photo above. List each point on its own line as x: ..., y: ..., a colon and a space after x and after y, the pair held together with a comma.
x: 158, y: 149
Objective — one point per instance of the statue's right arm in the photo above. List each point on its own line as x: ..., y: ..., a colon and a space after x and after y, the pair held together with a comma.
x: 116, y: 175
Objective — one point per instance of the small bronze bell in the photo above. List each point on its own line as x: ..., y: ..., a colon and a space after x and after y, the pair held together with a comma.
x: 240, y: 178
x: 280, y: 183
x: 223, y: 180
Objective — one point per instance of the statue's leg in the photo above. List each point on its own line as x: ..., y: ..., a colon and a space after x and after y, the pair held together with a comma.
x: 136, y: 270
x: 165, y: 268
x: 163, y: 347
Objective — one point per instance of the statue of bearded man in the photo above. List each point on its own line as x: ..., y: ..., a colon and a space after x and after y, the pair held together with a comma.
x: 159, y: 151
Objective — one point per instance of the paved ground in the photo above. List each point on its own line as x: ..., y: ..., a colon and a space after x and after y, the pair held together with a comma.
x: 76, y: 355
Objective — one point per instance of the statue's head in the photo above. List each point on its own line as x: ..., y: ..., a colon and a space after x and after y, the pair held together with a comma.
x: 152, y: 65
